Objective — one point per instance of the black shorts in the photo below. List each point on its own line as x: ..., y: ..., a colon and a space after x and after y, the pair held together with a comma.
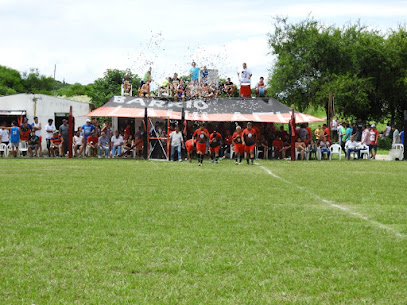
x: 48, y: 143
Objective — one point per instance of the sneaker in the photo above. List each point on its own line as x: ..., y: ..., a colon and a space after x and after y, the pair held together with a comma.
x: 237, y: 163
x: 199, y: 164
x: 216, y: 162
x: 211, y: 161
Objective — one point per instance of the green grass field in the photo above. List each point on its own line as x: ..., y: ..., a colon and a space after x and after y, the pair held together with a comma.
x: 145, y: 232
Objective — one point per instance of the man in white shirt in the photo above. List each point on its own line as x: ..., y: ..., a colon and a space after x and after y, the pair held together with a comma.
x: 245, y: 76
x: 5, y: 135
x: 78, y: 144
x: 386, y: 132
x: 176, y: 142
x: 350, y: 146
x: 117, y: 142
x: 396, y: 136
x: 36, y: 126
x: 49, y: 129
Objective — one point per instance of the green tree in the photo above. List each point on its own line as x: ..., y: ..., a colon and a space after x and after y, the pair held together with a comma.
x: 10, y: 81
x: 36, y: 83
x: 109, y: 85
x: 360, y: 66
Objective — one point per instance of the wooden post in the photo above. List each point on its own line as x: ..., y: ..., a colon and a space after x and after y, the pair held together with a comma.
x: 292, y: 123
x: 168, y: 139
x: 70, y: 133
x: 145, y: 135
x: 329, y: 117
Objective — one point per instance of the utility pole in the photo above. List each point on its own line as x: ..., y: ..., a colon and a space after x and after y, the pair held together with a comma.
x: 55, y: 71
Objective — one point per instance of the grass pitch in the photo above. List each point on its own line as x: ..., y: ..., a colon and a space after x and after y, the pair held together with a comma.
x: 144, y: 232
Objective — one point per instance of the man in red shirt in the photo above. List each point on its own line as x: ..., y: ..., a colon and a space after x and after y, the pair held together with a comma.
x: 277, y: 147
x: 327, y: 134
x: 24, y: 132
x: 201, y: 135
x: 92, y: 144
x: 215, y: 140
x: 249, y: 141
x: 237, y: 141
x: 373, y: 141
x: 127, y: 131
x: 309, y: 131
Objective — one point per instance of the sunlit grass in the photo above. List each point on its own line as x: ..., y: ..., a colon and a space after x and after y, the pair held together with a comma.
x: 139, y: 232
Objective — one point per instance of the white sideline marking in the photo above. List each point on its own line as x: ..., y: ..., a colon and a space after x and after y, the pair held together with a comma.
x: 337, y: 206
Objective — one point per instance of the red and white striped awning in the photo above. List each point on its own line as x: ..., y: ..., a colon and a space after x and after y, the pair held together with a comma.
x: 214, y: 110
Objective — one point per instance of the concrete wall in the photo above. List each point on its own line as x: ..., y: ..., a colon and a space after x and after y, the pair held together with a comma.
x: 45, y: 107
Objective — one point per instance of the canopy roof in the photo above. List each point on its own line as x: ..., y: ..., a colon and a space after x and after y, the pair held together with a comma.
x: 211, y: 110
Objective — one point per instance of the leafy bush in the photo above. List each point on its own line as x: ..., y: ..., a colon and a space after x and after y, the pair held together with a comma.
x: 385, y: 143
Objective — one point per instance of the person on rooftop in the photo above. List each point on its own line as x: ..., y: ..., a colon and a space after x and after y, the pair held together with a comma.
x: 194, y: 73
x: 204, y: 75
x: 146, y: 78
x: 245, y: 76
x: 145, y: 89
x: 126, y: 83
x: 261, y: 89
x: 229, y: 88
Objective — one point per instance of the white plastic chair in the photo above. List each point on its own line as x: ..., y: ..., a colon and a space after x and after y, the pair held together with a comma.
x: 364, y: 151
x: 22, y: 147
x: 262, y: 150
x: 397, y: 152
x: 298, y: 154
x: 4, y: 149
x: 335, y: 149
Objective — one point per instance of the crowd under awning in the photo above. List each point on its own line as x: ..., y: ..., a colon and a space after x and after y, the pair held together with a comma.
x: 209, y: 110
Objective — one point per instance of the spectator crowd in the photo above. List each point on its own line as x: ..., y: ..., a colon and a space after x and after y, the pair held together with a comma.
x: 218, y: 140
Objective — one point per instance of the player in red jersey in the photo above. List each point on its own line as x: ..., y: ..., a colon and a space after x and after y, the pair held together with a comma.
x: 189, y: 145
x: 215, y: 140
x: 201, y: 135
x: 249, y: 142
x: 238, y: 144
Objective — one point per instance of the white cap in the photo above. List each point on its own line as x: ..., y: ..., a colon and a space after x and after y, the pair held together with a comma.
x: 373, y: 125
x: 88, y: 120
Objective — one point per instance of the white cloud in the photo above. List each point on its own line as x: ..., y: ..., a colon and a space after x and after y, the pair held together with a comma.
x: 86, y: 37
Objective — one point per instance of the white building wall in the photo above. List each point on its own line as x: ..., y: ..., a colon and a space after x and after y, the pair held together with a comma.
x: 45, y: 108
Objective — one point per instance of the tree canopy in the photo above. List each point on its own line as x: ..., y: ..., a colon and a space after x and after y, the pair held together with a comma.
x: 365, y: 70
x: 109, y: 85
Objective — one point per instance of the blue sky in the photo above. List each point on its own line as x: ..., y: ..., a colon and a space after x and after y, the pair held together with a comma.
x: 84, y: 38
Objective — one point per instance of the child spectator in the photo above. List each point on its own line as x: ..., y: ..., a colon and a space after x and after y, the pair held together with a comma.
x: 56, y: 144
x: 33, y: 143
x: 312, y: 149
x: 260, y: 88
